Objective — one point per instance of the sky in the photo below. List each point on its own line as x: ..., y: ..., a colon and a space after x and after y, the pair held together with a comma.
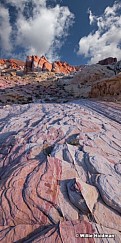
x: 75, y: 31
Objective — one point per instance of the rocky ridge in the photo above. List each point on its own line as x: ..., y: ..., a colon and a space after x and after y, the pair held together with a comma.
x: 35, y: 63
x: 11, y: 64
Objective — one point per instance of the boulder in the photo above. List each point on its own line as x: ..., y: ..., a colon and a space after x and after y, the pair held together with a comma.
x: 107, y: 61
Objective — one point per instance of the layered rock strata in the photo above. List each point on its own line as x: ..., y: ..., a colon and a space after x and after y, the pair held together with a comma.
x: 60, y: 172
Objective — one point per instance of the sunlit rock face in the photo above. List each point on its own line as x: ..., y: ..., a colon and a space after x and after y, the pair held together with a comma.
x: 63, y: 67
x: 35, y: 63
x: 60, y: 172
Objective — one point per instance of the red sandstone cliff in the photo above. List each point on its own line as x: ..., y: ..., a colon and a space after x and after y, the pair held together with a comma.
x: 35, y: 63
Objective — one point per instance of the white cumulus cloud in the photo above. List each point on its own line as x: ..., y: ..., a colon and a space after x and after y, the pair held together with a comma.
x: 5, y: 29
x: 92, y: 18
x: 21, y: 4
x: 41, y: 31
x: 106, y: 40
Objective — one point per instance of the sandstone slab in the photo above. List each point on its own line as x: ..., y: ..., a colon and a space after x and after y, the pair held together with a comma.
x: 59, y: 171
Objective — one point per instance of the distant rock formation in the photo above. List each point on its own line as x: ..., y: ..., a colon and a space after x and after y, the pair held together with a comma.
x: 11, y: 64
x: 107, y: 61
x: 35, y: 63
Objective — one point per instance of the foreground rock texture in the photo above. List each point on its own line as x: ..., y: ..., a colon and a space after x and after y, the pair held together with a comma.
x: 60, y: 172
x: 35, y: 63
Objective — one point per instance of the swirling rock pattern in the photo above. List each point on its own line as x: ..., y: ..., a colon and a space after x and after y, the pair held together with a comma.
x: 60, y: 172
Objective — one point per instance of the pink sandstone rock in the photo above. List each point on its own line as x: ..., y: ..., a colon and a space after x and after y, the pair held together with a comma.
x: 60, y: 172
x: 12, y: 63
x: 62, y: 67
x: 47, y: 67
x: 35, y: 63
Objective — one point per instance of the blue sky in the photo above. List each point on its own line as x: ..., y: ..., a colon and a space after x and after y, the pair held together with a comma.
x: 79, y: 32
